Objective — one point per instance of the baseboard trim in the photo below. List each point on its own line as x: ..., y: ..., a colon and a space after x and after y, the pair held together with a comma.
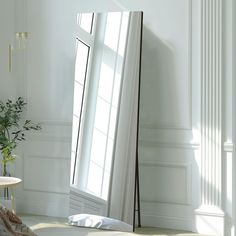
x: 210, y: 221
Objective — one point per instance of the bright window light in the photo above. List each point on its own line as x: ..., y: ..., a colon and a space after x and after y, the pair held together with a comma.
x: 75, y: 134
x: 112, y: 122
x: 101, y: 100
x: 95, y: 179
x: 81, y: 65
x: 85, y: 21
x: 112, y: 30
x: 102, y: 115
x: 98, y: 147
x: 106, y: 82
x: 81, y: 62
x: 78, y: 94
x: 123, y: 33
x: 109, y: 155
x: 105, y: 186
x: 116, y: 90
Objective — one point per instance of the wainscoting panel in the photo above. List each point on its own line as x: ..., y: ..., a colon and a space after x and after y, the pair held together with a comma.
x: 151, y: 136
x: 34, y: 166
x: 43, y: 203
x: 45, y: 170
x: 169, y: 184
x: 166, y: 215
x: 44, y: 148
x: 172, y: 182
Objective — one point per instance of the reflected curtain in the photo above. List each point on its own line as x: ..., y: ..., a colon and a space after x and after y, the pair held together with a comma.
x: 121, y: 195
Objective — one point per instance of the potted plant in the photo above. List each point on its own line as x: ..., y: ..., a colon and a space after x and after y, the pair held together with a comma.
x: 12, y: 129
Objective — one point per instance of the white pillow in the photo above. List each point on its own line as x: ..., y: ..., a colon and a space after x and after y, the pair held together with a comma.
x: 99, y: 222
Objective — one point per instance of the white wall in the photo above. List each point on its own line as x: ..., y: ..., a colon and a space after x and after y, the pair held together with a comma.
x: 7, y: 28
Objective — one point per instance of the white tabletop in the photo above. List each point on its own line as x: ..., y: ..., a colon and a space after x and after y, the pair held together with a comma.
x: 6, y: 181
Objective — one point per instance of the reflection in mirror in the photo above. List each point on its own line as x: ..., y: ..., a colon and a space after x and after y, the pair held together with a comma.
x: 85, y: 21
x: 105, y: 118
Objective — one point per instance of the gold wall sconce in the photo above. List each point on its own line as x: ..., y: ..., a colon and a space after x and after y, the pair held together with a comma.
x: 21, y: 38
x: 10, y: 49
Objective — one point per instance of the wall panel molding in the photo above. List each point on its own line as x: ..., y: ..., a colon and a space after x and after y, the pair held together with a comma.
x: 33, y: 182
x: 167, y: 222
x: 53, y: 131
x: 228, y: 147
x: 49, y: 138
x: 50, y: 146
x: 36, y: 204
x: 56, y: 122
x: 47, y: 152
x: 177, y: 145
x: 63, y: 158
x: 167, y: 126
x: 175, y: 168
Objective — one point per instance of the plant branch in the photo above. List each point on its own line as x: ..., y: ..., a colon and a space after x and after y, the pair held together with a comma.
x: 12, y: 130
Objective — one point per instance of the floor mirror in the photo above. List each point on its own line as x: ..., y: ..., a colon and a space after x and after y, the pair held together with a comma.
x: 105, y: 120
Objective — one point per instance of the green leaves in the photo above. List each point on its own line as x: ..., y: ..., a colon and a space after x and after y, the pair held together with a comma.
x: 7, y: 153
x: 12, y: 128
x: 10, y: 113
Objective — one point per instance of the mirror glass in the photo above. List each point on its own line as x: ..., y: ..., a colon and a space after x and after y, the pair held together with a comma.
x: 105, y: 53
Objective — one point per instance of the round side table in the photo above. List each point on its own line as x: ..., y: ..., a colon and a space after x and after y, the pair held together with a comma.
x: 10, y: 182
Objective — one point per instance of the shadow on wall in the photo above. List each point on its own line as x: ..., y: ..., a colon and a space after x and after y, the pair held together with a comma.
x: 161, y: 104
x: 159, y: 81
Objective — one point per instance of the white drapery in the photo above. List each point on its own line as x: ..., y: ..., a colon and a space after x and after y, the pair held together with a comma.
x: 121, y: 195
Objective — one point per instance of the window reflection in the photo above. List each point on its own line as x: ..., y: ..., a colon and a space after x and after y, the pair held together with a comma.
x: 81, y: 66
x: 113, y: 30
x: 108, y: 52
x: 85, y: 21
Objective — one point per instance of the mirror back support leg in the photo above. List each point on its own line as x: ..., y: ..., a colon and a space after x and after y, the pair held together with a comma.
x: 138, y: 194
x: 136, y: 186
x: 136, y: 197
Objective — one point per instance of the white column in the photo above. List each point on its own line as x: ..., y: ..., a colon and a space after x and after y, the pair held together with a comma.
x: 209, y: 216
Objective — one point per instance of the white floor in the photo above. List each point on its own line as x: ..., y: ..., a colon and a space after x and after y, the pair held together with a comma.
x: 51, y: 226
